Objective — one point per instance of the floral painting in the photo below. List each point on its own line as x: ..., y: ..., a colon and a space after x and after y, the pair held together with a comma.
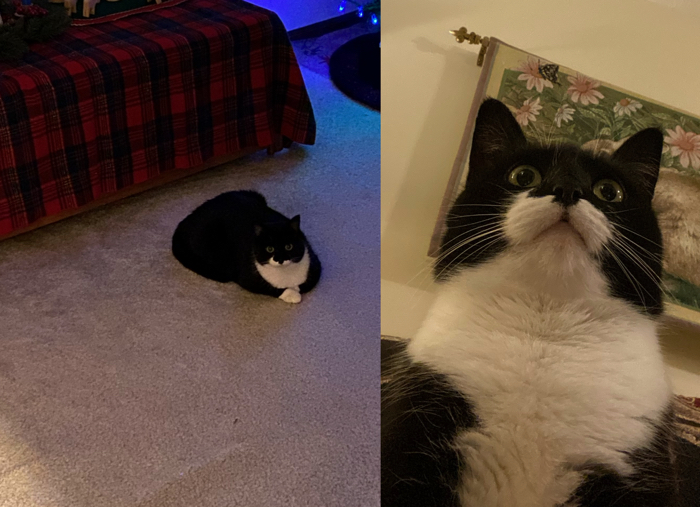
x: 554, y: 104
x: 576, y: 108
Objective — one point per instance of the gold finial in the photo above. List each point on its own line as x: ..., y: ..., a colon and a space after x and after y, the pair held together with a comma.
x: 462, y: 34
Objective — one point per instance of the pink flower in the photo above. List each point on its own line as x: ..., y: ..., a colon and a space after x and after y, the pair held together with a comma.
x: 584, y: 89
x: 685, y: 144
x: 528, y: 111
x: 531, y: 73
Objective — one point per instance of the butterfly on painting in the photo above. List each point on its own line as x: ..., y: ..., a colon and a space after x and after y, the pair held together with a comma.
x: 550, y: 72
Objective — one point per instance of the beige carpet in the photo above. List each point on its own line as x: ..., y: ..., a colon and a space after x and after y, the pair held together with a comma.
x: 126, y: 380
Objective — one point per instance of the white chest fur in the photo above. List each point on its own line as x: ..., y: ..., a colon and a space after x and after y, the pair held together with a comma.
x: 557, y: 381
x: 289, y: 275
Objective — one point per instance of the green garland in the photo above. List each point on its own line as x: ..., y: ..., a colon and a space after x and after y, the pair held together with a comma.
x: 23, y: 25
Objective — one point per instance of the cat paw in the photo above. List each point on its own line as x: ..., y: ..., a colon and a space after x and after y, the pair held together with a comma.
x: 291, y: 296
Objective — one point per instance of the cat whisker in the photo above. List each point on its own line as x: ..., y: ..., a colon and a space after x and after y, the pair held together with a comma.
x: 483, y: 238
x: 478, y: 205
x: 487, y: 222
x: 475, y: 215
x: 426, y: 270
x: 635, y: 283
x: 641, y: 250
x: 479, y: 237
x: 458, y: 258
x: 622, y: 211
x: 623, y: 243
x: 639, y: 262
x: 486, y: 246
x: 636, y: 233
x: 481, y: 230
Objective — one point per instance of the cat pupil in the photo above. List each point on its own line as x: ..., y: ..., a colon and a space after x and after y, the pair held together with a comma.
x: 270, y: 249
x: 288, y: 247
x: 525, y: 177
x: 608, y: 191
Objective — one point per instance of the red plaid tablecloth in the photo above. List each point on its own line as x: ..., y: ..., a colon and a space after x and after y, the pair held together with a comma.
x: 108, y: 105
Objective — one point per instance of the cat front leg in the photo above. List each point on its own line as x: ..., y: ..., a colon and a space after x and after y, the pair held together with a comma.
x: 291, y: 295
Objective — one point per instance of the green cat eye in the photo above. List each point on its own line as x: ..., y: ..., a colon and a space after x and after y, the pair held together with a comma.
x: 525, y: 176
x: 288, y: 247
x: 608, y: 191
x: 270, y: 249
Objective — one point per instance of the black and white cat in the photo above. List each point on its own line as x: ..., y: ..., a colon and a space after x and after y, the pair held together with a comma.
x: 236, y: 237
x: 536, y: 380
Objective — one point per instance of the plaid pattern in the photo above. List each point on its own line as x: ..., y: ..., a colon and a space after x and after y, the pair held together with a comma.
x: 106, y: 106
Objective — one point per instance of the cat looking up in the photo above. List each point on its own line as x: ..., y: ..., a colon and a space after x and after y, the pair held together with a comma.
x: 236, y: 237
x: 536, y: 379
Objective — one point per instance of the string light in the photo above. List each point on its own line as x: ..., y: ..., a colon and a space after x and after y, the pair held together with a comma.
x: 370, y: 7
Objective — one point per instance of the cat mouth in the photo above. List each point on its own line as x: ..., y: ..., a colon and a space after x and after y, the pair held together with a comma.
x: 548, y: 223
x: 562, y: 228
x: 563, y: 225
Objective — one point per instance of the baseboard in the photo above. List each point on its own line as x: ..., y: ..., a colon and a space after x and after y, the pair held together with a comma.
x: 326, y: 26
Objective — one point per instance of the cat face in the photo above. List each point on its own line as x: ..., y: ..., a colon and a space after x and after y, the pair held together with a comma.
x: 279, y: 244
x: 562, y: 209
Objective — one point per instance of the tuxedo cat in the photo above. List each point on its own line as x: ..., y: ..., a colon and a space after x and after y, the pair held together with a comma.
x: 536, y: 379
x: 236, y: 237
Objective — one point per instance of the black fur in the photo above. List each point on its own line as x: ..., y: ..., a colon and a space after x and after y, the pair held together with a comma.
x: 222, y: 239
x: 568, y: 173
x: 421, y: 416
x: 653, y: 484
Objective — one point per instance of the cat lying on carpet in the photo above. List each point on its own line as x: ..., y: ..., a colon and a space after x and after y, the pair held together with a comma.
x: 536, y: 380
x: 236, y: 237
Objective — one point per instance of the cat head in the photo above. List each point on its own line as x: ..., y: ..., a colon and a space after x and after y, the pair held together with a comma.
x: 279, y: 243
x: 560, y: 209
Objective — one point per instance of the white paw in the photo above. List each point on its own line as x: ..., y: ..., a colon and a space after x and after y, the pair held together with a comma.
x: 291, y: 296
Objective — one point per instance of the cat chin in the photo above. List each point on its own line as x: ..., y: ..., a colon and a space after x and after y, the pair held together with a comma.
x: 276, y: 264
x: 557, y: 255
x: 562, y: 235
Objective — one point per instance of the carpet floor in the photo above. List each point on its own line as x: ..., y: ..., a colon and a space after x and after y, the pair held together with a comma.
x: 127, y: 380
x: 315, y: 53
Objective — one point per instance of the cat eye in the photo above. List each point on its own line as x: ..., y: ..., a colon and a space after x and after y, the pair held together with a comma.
x: 608, y: 191
x: 525, y: 176
x: 288, y: 247
x: 270, y: 249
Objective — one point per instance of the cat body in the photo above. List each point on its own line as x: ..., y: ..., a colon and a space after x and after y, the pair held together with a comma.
x: 536, y: 379
x: 237, y: 237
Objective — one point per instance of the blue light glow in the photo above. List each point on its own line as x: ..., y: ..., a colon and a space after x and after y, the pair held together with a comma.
x: 374, y: 19
x: 360, y: 12
x: 341, y: 7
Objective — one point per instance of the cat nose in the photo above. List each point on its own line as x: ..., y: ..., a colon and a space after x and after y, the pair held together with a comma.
x: 568, y: 195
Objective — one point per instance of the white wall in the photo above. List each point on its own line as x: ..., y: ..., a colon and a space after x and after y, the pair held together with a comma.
x: 295, y: 14
x: 428, y: 82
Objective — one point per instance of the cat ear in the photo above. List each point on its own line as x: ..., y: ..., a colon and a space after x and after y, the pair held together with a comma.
x: 258, y: 229
x: 641, y: 153
x: 496, y: 132
x: 294, y: 222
